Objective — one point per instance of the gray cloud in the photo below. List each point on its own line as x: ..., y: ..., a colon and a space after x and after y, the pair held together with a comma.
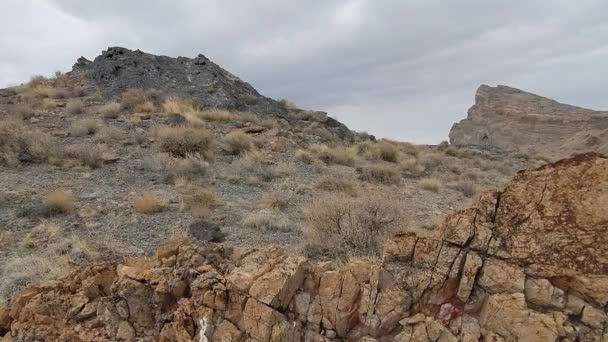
x: 399, y: 69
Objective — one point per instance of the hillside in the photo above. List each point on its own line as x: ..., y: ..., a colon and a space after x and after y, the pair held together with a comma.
x: 513, y: 119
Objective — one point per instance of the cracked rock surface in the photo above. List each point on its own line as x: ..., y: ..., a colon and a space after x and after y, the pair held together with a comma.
x: 526, y: 264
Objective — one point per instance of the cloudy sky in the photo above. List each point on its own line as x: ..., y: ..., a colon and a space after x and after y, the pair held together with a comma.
x: 395, y: 68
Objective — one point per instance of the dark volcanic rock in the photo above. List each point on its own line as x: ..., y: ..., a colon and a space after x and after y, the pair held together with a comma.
x: 118, y: 69
x: 204, y: 230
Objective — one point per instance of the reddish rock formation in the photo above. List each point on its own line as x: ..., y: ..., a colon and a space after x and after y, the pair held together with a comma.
x: 526, y: 264
x: 513, y: 119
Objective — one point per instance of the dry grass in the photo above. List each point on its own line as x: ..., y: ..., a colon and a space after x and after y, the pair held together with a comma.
x: 382, y: 150
x: 48, y: 104
x: 237, y: 142
x: 74, y: 107
x: 109, y: 134
x: 193, y: 165
x: 410, y: 167
x: 335, y: 184
x: 305, y: 156
x: 383, y: 174
x: 110, y: 110
x: 181, y: 141
x: 83, y: 127
x: 430, y: 184
x: 273, y: 201
x: 217, y: 114
x: 467, y: 188
x: 343, y: 227
x: 24, y: 110
x: 20, y: 145
x: 268, y: 220
x: 59, y: 201
x: 89, y: 155
x: 196, y: 198
x: 251, y: 166
x: 148, y: 203
x: 340, y: 155
x: 133, y: 97
x: 145, y: 107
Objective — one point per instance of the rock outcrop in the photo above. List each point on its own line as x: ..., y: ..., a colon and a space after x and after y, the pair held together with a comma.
x: 513, y: 119
x: 529, y: 263
x: 118, y: 69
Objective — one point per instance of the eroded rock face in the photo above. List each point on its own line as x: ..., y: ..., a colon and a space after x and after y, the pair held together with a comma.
x: 505, y: 270
x: 512, y: 119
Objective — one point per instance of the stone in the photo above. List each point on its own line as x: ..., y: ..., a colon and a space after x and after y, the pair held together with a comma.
x: 472, y: 264
x: 512, y: 119
x: 204, y: 230
x: 542, y: 292
x: 125, y: 332
x: 498, y: 276
x: 593, y: 317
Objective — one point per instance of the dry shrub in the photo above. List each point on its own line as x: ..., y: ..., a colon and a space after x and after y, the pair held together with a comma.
x: 89, y: 155
x: 42, y: 235
x: 191, y: 166
x: 273, y: 201
x: 48, y: 104
x: 384, y: 174
x: 237, y: 142
x: 59, y: 201
x: 145, y: 107
x: 410, y: 167
x: 83, y: 127
x: 108, y: 134
x: 335, y: 184
x: 148, y: 203
x: 24, y: 111
x: 133, y: 97
x: 411, y: 149
x: 74, y: 107
x: 196, y: 198
x: 110, y: 110
x: 305, y: 156
x: 20, y: 145
x: 340, y: 155
x: 268, y: 220
x: 430, y: 184
x: 289, y: 105
x: 430, y: 160
x: 467, y: 188
x: 382, y: 150
x: 343, y: 227
x: 456, y: 152
x: 181, y: 141
x: 251, y: 165
x: 218, y: 115
x: 59, y: 93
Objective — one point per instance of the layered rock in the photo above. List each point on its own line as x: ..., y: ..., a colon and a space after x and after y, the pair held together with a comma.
x: 513, y: 119
x: 528, y: 263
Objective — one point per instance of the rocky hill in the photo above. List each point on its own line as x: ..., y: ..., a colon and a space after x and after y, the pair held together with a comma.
x: 513, y: 119
x: 527, y: 263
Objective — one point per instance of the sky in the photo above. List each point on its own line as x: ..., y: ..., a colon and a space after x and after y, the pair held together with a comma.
x: 400, y: 69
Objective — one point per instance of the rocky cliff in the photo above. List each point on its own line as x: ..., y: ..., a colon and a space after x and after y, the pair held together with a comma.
x: 529, y: 263
x: 513, y: 119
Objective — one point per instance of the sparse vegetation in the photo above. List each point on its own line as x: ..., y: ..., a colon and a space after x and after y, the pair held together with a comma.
x: 384, y: 174
x: 237, y: 142
x: 181, y: 141
x: 467, y: 188
x: 83, y: 127
x: 89, y: 155
x: 148, y: 203
x: 216, y: 114
x: 109, y: 134
x: 110, y: 110
x: 268, y: 220
x: 343, y: 227
x: 59, y: 201
x: 335, y: 184
x: 74, y: 107
x: 430, y: 184
x: 273, y: 201
x: 410, y: 167
x: 48, y: 104
x: 305, y: 156
x: 382, y: 150
x: 190, y: 166
x: 196, y: 199
x: 341, y: 155
x: 20, y: 145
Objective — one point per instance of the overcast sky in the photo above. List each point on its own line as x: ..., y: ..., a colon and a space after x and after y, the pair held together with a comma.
x: 403, y: 69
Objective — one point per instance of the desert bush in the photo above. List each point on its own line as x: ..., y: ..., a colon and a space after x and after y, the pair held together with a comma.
x: 42, y: 235
x: 148, y: 203
x: 89, y: 155
x: 20, y: 145
x: 145, y: 107
x: 343, y: 227
x: 59, y: 201
x: 305, y: 156
x: 411, y: 149
x: 289, y: 105
x: 74, y: 107
x: 237, y: 142
x: 196, y: 198
x: 83, y: 127
x: 109, y: 134
x: 467, y: 188
x: 341, y: 155
x: 216, y: 114
x: 58, y: 93
x: 48, y: 104
x: 268, y: 220
x: 273, y: 201
x: 335, y: 184
x: 252, y: 165
x: 410, y: 167
x: 181, y: 141
x: 24, y: 111
x: 110, y: 110
x: 430, y: 160
x: 382, y: 150
x: 133, y: 97
x: 384, y: 174
x: 430, y: 184
x: 190, y: 166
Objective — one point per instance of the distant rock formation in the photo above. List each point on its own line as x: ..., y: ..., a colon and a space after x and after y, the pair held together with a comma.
x: 513, y: 119
x: 529, y: 263
x: 118, y: 69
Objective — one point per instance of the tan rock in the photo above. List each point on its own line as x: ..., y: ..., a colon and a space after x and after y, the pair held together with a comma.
x: 125, y: 332
x: 498, y: 276
x: 277, y: 287
x: 593, y: 317
x: 542, y: 292
x: 472, y: 264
